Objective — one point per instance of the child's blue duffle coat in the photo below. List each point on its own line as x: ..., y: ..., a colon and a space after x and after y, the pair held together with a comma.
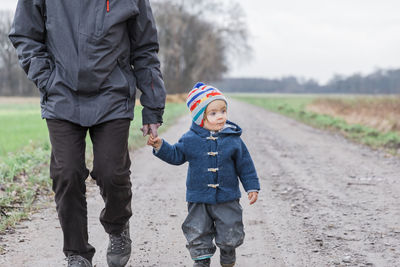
x: 216, y: 161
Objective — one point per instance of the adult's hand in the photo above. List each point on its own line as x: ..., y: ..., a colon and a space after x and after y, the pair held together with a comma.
x: 150, y: 129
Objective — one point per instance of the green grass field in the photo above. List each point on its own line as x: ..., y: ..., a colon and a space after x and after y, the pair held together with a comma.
x: 25, y: 153
x: 20, y: 124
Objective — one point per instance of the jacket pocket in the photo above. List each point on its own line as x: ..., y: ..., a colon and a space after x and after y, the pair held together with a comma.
x: 40, y: 71
x: 50, y: 80
x: 129, y: 77
x: 44, y: 93
x: 112, y: 12
x: 100, y: 17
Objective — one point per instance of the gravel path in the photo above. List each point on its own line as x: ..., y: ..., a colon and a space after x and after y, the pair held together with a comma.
x: 324, y: 202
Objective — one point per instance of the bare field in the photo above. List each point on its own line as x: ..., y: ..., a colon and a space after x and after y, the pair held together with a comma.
x: 381, y: 113
x: 177, y: 98
x: 18, y: 100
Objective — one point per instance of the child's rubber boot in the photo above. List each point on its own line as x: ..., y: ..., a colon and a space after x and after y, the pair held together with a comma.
x: 202, y: 263
x: 228, y: 258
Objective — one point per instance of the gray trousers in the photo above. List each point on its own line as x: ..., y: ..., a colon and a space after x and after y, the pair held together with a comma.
x: 208, y: 221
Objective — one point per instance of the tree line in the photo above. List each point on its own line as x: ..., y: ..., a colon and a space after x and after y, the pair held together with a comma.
x: 198, y: 41
x: 378, y: 82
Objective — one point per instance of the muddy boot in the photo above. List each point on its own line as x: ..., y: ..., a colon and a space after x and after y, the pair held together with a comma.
x: 202, y: 263
x: 227, y: 258
x: 119, y: 249
x: 227, y: 265
x: 78, y: 261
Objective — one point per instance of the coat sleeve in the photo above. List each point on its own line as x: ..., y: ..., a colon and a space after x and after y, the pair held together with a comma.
x: 146, y: 65
x: 28, y: 35
x: 245, y: 168
x: 172, y: 154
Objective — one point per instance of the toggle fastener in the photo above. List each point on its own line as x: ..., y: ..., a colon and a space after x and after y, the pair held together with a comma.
x: 212, y: 138
x: 212, y: 169
x: 212, y: 153
x: 213, y: 185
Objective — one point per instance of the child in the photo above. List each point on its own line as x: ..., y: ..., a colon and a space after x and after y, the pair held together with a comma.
x: 217, y: 156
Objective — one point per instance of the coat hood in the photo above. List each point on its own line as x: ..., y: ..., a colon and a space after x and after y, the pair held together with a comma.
x: 230, y: 128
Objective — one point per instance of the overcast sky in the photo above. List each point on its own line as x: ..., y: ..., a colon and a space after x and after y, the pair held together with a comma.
x: 317, y: 38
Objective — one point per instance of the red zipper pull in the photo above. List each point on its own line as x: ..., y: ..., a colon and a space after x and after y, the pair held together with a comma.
x: 108, y: 5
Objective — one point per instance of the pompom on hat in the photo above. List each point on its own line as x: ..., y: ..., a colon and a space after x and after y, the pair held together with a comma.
x: 198, y: 99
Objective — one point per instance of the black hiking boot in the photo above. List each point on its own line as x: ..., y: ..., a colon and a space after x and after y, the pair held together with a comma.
x: 119, y: 249
x: 202, y: 263
x: 78, y: 261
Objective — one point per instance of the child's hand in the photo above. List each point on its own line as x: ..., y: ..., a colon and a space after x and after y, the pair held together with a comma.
x: 155, y: 142
x: 252, y: 197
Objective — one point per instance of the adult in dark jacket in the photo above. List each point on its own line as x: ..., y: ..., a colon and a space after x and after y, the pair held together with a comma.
x: 87, y: 58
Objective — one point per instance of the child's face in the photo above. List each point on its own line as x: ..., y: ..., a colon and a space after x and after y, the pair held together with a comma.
x: 215, y: 115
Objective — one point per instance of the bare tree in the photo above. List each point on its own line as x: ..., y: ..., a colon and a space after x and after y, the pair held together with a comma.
x: 13, y: 80
x: 200, y: 40
x: 195, y: 44
x: 7, y: 54
x: 229, y: 22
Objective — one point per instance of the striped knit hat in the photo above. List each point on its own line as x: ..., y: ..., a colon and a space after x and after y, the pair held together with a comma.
x: 198, y: 99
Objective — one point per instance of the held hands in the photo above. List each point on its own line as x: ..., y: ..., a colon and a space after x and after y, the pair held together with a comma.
x: 155, y: 142
x: 150, y: 129
x: 252, y: 196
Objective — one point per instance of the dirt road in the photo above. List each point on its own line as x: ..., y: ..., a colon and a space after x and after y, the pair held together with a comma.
x: 324, y: 202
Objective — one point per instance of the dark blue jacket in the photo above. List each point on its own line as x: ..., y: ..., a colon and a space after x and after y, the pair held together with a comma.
x: 215, y: 163
x: 88, y: 57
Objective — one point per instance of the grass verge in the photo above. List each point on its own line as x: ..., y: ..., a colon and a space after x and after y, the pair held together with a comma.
x: 23, y: 176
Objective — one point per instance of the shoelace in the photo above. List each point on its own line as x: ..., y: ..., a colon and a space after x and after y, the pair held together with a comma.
x: 118, y: 242
x: 75, y: 259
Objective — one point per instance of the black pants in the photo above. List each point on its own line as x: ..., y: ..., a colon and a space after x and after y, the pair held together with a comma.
x: 68, y: 171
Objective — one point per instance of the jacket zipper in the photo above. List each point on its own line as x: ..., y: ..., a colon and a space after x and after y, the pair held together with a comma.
x: 108, y: 5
